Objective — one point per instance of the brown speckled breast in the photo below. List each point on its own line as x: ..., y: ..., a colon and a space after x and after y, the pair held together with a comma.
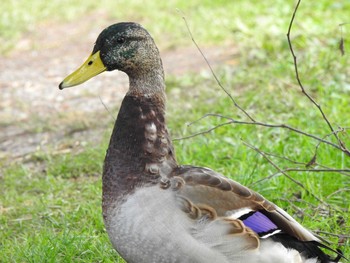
x: 140, y: 151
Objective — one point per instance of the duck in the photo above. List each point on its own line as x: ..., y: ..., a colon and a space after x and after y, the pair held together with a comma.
x: 156, y: 210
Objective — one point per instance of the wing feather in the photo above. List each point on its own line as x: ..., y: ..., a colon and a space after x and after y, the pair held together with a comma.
x: 206, y: 187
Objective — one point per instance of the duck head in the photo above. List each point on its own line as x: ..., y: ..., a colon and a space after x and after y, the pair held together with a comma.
x: 127, y: 47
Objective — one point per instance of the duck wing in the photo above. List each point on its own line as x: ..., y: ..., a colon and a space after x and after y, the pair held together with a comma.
x: 205, y: 193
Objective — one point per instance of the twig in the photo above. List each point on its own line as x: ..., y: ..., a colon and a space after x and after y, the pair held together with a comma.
x: 338, y: 191
x: 213, y: 73
x: 285, y: 158
x: 313, y: 170
x: 327, y: 135
x: 325, y: 168
x: 317, y: 170
x: 331, y: 234
x: 298, y: 200
x: 341, y: 144
x: 341, y: 42
x: 203, y: 132
x: 340, y: 130
x: 106, y: 108
x: 282, y: 171
x: 269, y: 125
x: 296, y: 208
x: 253, y: 170
x: 265, y: 178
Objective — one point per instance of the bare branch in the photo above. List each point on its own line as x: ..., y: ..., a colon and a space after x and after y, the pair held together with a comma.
x: 338, y: 191
x: 341, y: 42
x: 341, y: 144
x: 106, y: 108
x: 265, y: 178
x: 298, y: 200
x: 213, y: 73
x: 296, y: 208
x: 269, y: 125
x: 325, y: 168
x: 340, y: 129
x: 318, y: 170
x: 283, y: 172
x: 331, y: 234
x: 203, y: 132
x: 314, y: 170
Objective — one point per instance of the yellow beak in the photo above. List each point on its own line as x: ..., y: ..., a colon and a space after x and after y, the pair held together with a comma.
x: 90, y: 68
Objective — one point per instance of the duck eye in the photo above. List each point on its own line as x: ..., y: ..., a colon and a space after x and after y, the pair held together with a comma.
x: 120, y: 40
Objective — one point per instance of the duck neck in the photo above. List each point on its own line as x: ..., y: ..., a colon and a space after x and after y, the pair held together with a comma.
x: 140, y: 149
x: 148, y: 82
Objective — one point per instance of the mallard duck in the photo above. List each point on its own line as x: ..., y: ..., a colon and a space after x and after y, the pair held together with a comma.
x: 156, y: 210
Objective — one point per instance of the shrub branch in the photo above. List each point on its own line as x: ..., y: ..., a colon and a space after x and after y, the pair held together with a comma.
x: 303, y: 90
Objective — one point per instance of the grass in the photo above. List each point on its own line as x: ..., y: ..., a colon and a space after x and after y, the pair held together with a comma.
x: 50, y: 211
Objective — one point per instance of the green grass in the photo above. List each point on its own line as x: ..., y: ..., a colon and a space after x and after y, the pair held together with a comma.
x: 50, y: 211
x: 212, y: 22
x: 50, y: 218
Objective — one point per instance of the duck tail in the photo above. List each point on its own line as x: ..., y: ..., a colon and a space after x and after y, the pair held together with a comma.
x: 309, y: 249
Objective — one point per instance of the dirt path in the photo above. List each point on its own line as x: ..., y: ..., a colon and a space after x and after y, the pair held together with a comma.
x: 36, y: 116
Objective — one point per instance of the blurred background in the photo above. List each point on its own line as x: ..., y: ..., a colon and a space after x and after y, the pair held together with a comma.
x: 52, y: 142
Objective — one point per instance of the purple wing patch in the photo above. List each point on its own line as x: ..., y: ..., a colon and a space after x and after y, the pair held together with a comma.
x: 259, y: 223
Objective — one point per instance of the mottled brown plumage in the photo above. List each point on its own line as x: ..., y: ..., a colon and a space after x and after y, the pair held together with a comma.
x: 140, y: 152
x: 158, y: 211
